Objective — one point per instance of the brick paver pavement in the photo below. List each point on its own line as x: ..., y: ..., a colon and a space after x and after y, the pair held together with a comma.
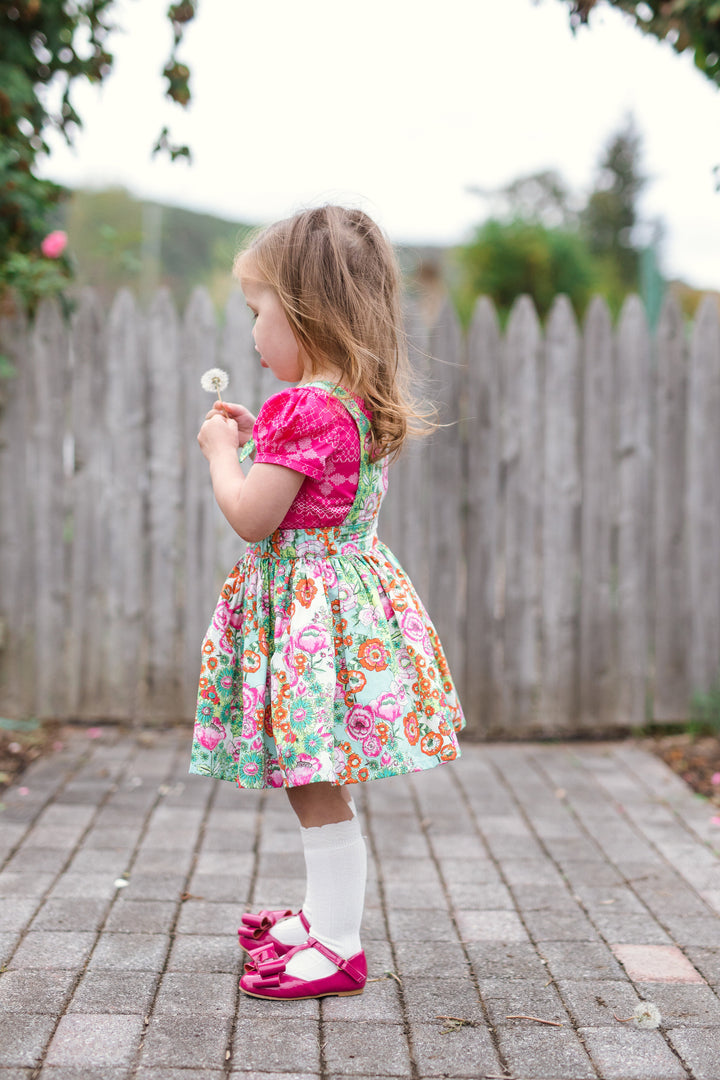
x: 560, y: 882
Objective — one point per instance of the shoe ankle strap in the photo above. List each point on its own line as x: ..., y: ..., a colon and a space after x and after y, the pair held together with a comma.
x: 339, y: 961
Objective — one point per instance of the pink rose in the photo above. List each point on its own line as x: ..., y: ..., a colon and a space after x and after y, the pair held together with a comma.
x: 312, y: 639
x: 54, y: 244
x: 249, y: 726
x: 250, y: 695
x: 329, y: 575
x: 209, y: 737
x: 388, y: 708
x: 221, y: 615
x: 372, y: 746
x: 304, y: 770
x: 360, y: 722
x: 412, y: 625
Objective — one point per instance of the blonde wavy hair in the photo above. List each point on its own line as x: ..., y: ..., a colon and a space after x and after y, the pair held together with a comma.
x: 338, y: 281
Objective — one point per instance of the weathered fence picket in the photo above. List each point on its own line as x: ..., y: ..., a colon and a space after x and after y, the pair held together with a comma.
x: 672, y: 611
x: 634, y: 508
x: 16, y: 566
x: 88, y: 507
x: 560, y: 595
x: 703, y: 495
x: 48, y: 594
x: 522, y: 502
x: 483, y: 681
x: 123, y: 636
x: 562, y: 526
x: 598, y: 655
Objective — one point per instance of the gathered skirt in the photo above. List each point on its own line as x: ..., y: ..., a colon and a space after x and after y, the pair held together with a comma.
x: 321, y: 664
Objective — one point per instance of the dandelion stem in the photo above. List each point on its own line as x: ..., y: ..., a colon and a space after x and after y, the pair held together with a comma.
x: 222, y: 403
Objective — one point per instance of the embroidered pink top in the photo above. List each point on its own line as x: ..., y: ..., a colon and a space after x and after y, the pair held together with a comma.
x: 308, y: 430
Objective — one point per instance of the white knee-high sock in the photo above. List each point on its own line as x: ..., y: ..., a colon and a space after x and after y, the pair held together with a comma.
x: 336, y: 862
x: 291, y: 931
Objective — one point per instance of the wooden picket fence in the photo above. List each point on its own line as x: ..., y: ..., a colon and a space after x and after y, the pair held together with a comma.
x: 563, y: 526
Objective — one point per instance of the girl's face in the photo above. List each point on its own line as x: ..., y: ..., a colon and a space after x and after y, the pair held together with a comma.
x: 274, y: 339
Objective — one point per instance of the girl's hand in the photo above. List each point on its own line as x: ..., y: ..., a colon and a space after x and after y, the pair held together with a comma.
x: 218, y: 434
x: 243, y: 418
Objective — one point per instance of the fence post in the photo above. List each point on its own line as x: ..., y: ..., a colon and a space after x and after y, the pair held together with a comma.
x: 49, y: 379
x: 560, y: 604
x: 89, y: 503
x: 165, y: 495
x: 17, y: 571
x: 125, y: 523
x: 522, y: 461
x: 483, y: 689
x: 672, y: 614
x: 703, y: 496
x: 635, y: 529
x: 597, y: 639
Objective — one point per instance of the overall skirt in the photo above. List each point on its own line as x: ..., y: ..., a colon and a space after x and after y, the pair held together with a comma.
x: 320, y: 662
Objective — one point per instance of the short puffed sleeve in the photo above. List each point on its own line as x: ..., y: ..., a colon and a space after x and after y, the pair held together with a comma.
x: 297, y: 428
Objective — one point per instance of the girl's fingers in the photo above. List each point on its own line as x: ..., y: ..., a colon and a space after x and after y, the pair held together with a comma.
x: 218, y: 412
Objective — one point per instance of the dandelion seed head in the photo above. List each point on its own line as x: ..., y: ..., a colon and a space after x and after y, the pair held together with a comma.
x: 214, y: 380
x: 646, y: 1015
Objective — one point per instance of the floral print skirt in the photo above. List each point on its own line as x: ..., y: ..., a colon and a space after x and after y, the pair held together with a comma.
x: 321, y: 664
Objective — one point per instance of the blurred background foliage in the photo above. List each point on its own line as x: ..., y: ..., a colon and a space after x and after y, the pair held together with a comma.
x: 542, y: 239
x: 45, y: 46
x: 692, y: 25
x: 535, y: 235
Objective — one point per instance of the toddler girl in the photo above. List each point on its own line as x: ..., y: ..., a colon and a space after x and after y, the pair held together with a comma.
x: 320, y: 668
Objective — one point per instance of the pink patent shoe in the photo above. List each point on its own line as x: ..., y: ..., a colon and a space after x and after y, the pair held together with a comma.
x: 265, y: 976
x: 254, y: 932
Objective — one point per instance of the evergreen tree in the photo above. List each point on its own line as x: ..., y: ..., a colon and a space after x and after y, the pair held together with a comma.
x: 610, y: 216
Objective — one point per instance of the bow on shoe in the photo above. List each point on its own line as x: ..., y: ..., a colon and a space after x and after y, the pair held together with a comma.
x: 257, y: 925
x: 267, y: 968
x: 261, y: 955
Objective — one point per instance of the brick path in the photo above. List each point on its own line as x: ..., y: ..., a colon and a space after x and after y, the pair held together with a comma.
x: 564, y: 882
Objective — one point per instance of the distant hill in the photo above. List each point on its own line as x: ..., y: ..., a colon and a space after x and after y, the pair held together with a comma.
x: 119, y: 241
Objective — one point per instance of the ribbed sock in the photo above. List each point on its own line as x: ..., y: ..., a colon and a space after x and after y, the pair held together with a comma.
x: 336, y: 862
x: 291, y: 931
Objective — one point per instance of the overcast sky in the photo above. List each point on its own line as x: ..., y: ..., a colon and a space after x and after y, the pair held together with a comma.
x: 399, y: 106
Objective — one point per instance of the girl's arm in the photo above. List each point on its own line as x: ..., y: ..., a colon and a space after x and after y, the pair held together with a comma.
x: 254, y: 505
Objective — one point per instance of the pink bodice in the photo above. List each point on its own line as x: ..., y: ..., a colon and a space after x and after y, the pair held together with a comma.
x: 308, y: 430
